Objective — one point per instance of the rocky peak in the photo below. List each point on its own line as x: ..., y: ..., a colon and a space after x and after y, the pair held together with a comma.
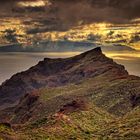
x: 59, y: 72
x: 95, y: 51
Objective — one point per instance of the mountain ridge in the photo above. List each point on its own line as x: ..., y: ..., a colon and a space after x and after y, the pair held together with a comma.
x: 87, y: 96
x: 57, y: 72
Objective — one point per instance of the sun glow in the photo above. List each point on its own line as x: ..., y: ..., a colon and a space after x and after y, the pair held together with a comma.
x: 32, y: 4
x: 123, y: 55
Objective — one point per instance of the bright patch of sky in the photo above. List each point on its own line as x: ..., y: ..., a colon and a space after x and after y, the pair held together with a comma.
x: 32, y: 3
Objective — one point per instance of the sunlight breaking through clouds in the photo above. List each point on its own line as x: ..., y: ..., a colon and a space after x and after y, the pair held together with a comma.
x: 31, y: 3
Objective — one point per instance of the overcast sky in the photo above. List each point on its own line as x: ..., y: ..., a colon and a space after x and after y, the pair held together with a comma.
x: 116, y: 11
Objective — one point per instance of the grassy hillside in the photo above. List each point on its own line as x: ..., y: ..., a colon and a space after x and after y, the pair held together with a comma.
x: 86, y: 97
x: 93, y: 124
x: 91, y: 109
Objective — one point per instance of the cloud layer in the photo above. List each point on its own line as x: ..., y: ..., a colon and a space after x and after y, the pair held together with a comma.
x: 74, y: 12
x: 98, y: 10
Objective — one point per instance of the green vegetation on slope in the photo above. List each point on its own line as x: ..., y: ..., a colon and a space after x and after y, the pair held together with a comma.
x: 86, y: 97
x: 93, y: 109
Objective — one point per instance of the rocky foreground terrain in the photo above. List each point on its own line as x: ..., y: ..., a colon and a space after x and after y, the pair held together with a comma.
x: 86, y: 97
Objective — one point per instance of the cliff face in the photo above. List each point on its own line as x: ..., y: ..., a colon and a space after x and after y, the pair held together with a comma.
x: 58, y: 72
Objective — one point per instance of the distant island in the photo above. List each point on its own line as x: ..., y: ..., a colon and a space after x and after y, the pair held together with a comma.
x: 63, y: 46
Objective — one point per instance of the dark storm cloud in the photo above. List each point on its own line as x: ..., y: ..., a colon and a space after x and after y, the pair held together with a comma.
x: 69, y: 13
x: 97, y: 10
x: 7, y: 1
x: 7, y: 6
x: 73, y: 11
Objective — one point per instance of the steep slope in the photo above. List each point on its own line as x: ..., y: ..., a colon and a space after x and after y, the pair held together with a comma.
x: 83, y: 97
x: 117, y: 97
x: 58, y: 72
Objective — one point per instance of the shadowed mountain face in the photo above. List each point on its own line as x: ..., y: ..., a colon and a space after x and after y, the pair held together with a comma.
x: 59, y: 72
x: 84, y: 96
